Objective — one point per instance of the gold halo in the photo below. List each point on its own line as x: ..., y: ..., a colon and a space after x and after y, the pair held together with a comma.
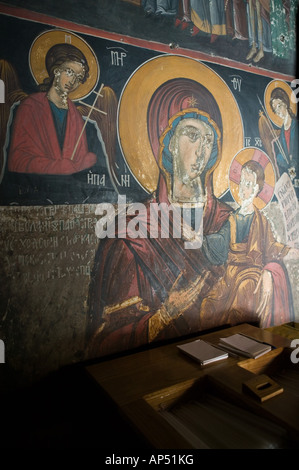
x: 45, y: 41
x: 243, y: 156
x: 267, y: 96
x: 132, y: 116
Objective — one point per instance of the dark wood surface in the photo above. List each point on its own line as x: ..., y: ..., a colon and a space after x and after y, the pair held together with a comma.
x: 141, y: 383
x: 130, y: 377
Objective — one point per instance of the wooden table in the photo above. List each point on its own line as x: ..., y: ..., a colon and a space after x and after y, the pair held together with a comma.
x: 145, y: 382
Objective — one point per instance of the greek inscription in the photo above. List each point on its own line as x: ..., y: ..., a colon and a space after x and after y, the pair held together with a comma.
x: 237, y: 82
x: 117, y: 56
x: 125, y: 181
x: 96, y: 179
x: 287, y: 199
x: 42, y: 244
x: 258, y: 142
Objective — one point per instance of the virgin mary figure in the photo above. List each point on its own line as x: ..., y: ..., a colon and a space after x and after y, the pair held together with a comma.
x: 146, y: 288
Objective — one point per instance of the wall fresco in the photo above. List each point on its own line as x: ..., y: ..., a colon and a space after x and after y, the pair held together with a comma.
x: 145, y: 195
x: 232, y: 29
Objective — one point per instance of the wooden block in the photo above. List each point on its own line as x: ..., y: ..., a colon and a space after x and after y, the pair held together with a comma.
x: 262, y: 387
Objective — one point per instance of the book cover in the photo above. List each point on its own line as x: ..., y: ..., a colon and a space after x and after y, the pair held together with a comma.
x: 245, y: 346
x: 203, y: 352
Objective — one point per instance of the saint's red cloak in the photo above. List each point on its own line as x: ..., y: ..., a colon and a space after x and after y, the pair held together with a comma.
x: 34, y: 146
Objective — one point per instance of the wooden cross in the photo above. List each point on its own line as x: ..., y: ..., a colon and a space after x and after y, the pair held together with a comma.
x: 92, y: 108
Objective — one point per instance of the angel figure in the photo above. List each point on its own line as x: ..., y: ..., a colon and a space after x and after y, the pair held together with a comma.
x: 279, y: 131
x: 48, y: 138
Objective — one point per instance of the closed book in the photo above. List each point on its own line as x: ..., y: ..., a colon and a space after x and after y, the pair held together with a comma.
x: 202, y: 352
x: 244, y: 345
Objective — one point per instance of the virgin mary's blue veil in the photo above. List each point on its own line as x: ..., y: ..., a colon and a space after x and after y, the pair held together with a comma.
x: 167, y: 158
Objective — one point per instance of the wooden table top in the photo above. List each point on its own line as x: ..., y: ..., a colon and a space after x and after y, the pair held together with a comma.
x: 130, y: 377
x: 142, y: 384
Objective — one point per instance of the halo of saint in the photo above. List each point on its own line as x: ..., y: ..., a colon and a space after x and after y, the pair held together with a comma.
x: 242, y: 157
x: 43, y: 43
x: 274, y: 84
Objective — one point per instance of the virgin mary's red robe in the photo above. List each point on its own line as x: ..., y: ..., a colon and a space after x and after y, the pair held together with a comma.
x: 132, y: 278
